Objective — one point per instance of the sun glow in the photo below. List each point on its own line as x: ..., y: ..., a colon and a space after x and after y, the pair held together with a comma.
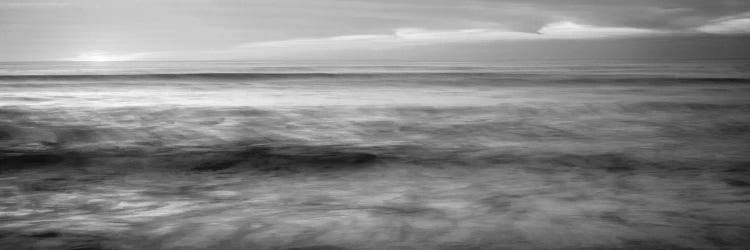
x: 101, y: 56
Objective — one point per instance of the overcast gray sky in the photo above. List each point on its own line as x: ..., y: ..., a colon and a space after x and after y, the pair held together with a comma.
x: 369, y: 29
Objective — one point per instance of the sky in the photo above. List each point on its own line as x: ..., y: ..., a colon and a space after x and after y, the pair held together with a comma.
x: 462, y: 30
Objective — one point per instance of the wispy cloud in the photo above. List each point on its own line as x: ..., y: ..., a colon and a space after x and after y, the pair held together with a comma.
x: 570, y: 30
x: 400, y: 37
x: 404, y: 37
x: 417, y: 36
x: 738, y: 24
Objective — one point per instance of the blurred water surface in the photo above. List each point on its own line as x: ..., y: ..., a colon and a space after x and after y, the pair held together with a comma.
x: 249, y: 155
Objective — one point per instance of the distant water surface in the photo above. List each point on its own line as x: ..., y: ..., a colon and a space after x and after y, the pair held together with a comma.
x: 253, y: 155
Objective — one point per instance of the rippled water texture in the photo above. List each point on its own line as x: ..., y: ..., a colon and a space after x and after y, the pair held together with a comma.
x: 564, y: 155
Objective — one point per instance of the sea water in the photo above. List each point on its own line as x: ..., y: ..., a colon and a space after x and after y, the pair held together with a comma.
x: 375, y: 155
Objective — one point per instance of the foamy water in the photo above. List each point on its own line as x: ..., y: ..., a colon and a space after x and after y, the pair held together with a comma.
x: 231, y: 155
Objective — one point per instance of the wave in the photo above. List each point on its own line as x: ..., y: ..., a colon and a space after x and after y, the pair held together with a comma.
x: 166, y: 127
x: 237, y: 76
x: 525, y: 77
x: 281, y: 158
x: 176, y: 76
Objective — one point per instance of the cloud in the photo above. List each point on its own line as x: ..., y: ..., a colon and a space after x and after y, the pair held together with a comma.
x: 570, y: 30
x: 739, y: 24
x: 417, y: 36
x: 399, y: 37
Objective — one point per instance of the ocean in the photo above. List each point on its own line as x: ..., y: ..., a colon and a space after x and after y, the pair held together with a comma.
x: 563, y: 154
